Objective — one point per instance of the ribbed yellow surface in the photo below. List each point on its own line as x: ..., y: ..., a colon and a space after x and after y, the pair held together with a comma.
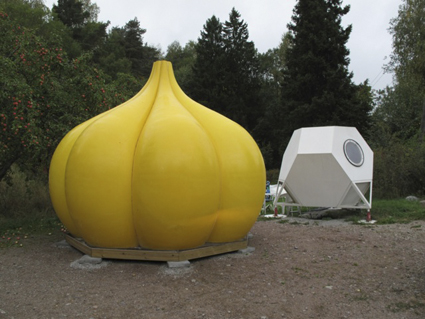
x: 159, y: 171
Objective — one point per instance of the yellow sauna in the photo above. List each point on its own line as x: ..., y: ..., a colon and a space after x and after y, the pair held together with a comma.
x: 159, y: 171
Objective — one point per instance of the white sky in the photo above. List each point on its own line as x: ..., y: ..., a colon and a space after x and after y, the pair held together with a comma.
x: 166, y: 21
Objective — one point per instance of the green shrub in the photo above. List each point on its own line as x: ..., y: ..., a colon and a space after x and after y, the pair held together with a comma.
x: 24, y: 202
x: 399, y: 170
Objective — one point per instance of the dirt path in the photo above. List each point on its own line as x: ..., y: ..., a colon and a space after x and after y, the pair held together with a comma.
x: 321, y: 270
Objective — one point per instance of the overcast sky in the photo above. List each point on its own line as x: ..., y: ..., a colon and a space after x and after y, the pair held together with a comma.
x: 166, y: 21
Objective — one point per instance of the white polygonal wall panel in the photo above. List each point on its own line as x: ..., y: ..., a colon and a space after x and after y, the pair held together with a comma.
x: 327, y: 167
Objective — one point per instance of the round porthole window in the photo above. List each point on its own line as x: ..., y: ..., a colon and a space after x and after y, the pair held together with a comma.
x: 353, y: 152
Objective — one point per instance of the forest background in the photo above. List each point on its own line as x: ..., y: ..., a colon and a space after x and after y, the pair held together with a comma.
x: 60, y: 66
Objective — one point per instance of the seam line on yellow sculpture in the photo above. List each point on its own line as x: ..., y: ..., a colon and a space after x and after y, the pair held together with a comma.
x: 92, y: 121
x: 178, y: 92
x: 151, y: 79
x: 164, y: 90
x: 188, y: 102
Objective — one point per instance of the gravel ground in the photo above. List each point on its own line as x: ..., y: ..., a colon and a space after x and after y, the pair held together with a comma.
x: 299, y: 269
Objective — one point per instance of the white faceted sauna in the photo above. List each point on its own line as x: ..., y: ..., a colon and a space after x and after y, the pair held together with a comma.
x: 326, y: 167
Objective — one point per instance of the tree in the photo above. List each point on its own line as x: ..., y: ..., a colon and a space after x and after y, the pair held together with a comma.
x: 30, y: 14
x: 242, y: 73
x: 408, y: 58
x: 92, y: 9
x: 268, y: 132
x: 72, y: 13
x: 35, y: 16
x: 111, y: 57
x: 81, y: 19
x: 183, y: 59
x: 273, y: 63
x: 226, y: 71
x: 133, y: 45
x: 396, y: 116
x: 44, y: 94
x: 150, y: 55
x: 399, y: 117
x: 140, y: 55
x: 318, y: 88
x: 123, y: 51
x: 207, y: 85
x: 174, y: 53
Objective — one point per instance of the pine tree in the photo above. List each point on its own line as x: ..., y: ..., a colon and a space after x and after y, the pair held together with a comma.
x: 72, y: 13
x: 226, y: 71
x: 318, y: 88
x: 242, y: 73
x: 208, y: 72
x: 133, y: 44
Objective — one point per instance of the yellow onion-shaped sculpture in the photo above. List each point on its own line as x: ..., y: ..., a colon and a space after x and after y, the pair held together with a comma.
x: 159, y: 171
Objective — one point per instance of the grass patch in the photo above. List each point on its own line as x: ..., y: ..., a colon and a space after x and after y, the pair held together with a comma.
x: 384, y: 211
x: 30, y: 225
x: 392, y: 211
x: 25, y: 208
x: 397, y: 211
x: 13, y: 233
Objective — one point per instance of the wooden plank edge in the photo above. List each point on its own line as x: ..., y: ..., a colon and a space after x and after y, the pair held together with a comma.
x: 210, y: 249
x: 79, y: 245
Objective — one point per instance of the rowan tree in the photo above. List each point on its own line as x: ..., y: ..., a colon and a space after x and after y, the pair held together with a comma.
x: 44, y: 94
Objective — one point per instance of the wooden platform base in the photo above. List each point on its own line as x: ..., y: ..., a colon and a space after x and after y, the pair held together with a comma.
x: 209, y: 249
